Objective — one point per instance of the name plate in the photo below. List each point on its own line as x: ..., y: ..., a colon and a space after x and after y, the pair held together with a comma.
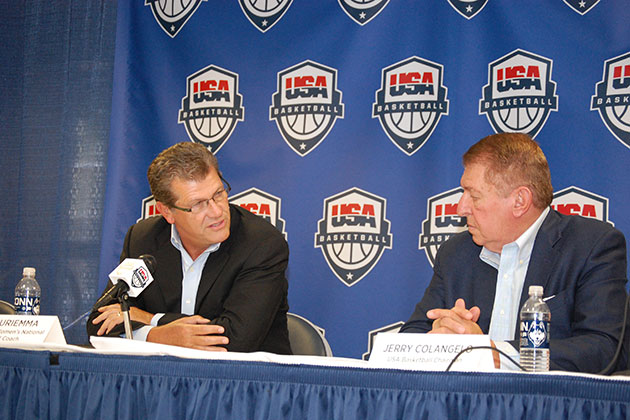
x: 431, y: 351
x: 15, y: 329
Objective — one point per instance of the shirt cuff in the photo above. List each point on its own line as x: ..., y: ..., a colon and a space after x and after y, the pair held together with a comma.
x: 156, y: 319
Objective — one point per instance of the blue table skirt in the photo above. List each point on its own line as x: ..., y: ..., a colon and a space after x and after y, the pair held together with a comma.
x: 41, y: 385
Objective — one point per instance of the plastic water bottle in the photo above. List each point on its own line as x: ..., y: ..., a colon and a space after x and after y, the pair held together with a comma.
x: 27, y: 293
x: 535, y: 322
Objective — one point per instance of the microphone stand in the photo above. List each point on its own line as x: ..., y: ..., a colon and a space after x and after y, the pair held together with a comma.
x: 124, y: 309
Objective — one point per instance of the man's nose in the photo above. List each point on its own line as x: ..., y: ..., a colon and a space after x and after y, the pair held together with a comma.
x: 463, y: 206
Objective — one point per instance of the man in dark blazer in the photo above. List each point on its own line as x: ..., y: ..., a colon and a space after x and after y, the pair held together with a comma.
x: 581, y: 263
x: 238, y: 298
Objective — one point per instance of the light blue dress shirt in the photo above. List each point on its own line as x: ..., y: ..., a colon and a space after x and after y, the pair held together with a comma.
x: 191, y: 276
x: 511, y: 265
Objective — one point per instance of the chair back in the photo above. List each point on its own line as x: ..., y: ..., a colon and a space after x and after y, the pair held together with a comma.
x: 6, y: 308
x: 306, y: 338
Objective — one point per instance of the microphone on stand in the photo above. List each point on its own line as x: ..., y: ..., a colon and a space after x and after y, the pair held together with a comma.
x: 130, y: 278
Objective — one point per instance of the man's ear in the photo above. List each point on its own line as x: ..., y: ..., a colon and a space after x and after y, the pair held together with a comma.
x: 165, y: 211
x: 523, y: 200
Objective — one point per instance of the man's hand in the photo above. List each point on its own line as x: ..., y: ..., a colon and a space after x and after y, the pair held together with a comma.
x: 111, y: 316
x: 194, y: 331
x: 457, y: 320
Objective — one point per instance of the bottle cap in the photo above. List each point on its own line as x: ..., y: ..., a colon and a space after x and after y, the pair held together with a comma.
x: 28, y: 271
x: 535, y: 290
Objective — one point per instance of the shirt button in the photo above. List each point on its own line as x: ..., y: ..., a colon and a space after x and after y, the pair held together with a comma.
x: 502, y: 312
x: 505, y: 276
x: 188, y: 301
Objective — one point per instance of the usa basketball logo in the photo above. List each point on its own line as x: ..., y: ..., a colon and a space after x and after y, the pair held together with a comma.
x: 581, y: 6
x: 391, y: 328
x: 468, y: 8
x: 211, y: 107
x: 353, y: 234
x: 612, y: 97
x: 363, y: 11
x: 263, y: 14
x: 306, y: 105
x: 576, y: 201
x: 262, y: 204
x: 172, y: 15
x: 520, y: 93
x: 441, y: 223
x: 410, y: 102
x: 149, y: 209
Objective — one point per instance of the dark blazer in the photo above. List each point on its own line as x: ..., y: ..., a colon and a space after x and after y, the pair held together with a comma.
x: 243, y: 285
x: 580, y: 262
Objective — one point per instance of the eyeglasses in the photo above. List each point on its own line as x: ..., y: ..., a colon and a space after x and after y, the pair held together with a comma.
x: 219, y: 197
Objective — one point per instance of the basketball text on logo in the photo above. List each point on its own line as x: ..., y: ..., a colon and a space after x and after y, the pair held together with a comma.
x: 211, y: 107
x: 262, y: 13
x: 576, y: 201
x: 581, y: 6
x: 410, y: 102
x: 262, y: 204
x: 520, y: 93
x: 306, y: 105
x: 172, y: 15
x: 468, y: 8
x: 363, y: 11
x: 353, y: 233
x: 442, y: 222
x: 612, y: 97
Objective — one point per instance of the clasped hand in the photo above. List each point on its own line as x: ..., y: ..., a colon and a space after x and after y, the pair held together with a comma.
x: 457, y: 320
x: 192, y: 331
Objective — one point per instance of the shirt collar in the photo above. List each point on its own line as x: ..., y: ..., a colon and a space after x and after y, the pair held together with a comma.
x: 524, y: 243
x: 176, y: 240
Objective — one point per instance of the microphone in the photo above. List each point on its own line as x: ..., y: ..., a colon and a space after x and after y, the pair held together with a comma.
x: 132, y: 276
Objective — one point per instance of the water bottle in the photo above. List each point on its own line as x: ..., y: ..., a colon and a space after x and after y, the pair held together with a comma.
x: 534, y: 340
x: 27, y: 293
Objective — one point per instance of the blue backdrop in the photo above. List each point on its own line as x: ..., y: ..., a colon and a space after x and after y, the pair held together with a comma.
x: 343, y: 123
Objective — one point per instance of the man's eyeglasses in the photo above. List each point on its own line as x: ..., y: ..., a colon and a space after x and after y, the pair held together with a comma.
x: 219, y: 197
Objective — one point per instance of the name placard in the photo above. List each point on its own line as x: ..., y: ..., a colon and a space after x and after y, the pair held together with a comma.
x: 431, y: 351
x: 15, y: 329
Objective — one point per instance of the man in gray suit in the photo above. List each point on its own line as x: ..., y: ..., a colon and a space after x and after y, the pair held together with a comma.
x: 514, y: 240
x: 219, y: 282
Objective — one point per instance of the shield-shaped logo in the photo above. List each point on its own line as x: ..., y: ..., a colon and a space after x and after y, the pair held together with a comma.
x: 363, y: 11
x: 264, y: 14
x: 353, y: 234
x: 468, y: 8
x: 172, y: 15
x: 410, y: 102
x: 262, y: 204
x: 574, y: 200
x: 612, y: 97
x: 581, y: 6
x: 520, y: 93
x: 211, y: 107
x: 306, y: 105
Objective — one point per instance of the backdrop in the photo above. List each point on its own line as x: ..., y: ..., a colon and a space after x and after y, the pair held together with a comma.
x: 344, y: 122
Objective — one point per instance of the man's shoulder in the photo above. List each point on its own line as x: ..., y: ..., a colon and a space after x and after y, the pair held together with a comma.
x: 459, y: 245
x: 151, y: 228
x: 583, y: 227
x: 252, y: 226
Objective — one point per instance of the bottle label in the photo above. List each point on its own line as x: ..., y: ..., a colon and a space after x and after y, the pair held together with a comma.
x: 28, y: 305
x: 534, y: 334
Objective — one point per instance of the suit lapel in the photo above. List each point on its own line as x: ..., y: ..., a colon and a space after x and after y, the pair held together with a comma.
x: 169, y: 275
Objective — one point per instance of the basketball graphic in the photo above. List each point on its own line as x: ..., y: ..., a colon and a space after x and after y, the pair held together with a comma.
x: 612, y: 97
x: 306, y: 105
x: 263, y: 14
x: 172, y: 15
x: 520, y: 94
x: 410, y: 102
x: 211, y: 107
x: 353, y: 233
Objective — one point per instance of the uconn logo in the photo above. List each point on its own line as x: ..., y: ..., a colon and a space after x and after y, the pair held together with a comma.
x: 410, y: 102
x: 211, y: 107
x: 612, y: 97
x: 306, y: 105
x: 363, y: 11
x: 262, y: 204
x: 353, y: 234
x: 172, y: 15
x: 264, y: 14
x: 441, y: 223
x: 520, y: 93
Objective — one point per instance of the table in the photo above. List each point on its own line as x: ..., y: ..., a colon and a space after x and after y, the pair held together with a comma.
x: 63, y: 385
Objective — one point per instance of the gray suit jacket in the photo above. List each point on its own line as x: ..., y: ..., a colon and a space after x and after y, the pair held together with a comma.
x: 243, y: 285
x: 581, y: 263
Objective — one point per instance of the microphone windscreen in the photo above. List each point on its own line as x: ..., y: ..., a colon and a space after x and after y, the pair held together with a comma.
x: 149, y: 261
